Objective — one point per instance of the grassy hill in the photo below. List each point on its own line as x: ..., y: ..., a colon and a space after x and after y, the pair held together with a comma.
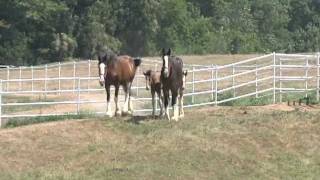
x: 209, y: 143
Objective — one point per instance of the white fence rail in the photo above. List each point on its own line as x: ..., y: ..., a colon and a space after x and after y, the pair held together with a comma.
x: 43, y: 87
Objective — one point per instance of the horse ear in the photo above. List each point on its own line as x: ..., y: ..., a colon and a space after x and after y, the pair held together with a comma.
x: 169, y: 52
x: 163, y: 52
x: 99, y: 58
x: 145, y: 73
x: 185, y: 72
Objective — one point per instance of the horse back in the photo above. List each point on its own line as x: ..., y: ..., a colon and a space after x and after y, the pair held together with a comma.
x: 125, y: 68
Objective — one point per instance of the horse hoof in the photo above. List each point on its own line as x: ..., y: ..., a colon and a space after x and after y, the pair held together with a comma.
x: 175, y: 119
x: 126, y: 113
x: 109, y: 114
x: 118, y: 113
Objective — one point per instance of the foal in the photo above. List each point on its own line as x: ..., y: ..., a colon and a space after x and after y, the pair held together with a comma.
x: 172, y: 80
x: 118, y: 71
x: 153, y: 79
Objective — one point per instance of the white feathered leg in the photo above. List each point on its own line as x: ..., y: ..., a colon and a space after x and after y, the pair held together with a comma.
x: 109, y: 110
x: 118, y: 112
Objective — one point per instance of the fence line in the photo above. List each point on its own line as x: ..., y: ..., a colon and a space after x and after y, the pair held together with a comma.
x: 218, y: 78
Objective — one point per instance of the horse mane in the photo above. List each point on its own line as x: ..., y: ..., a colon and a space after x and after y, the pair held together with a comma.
x: 107, y: 57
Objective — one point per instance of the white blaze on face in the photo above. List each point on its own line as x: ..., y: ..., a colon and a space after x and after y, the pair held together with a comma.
x: 166, y: 64
x: 102, y: 71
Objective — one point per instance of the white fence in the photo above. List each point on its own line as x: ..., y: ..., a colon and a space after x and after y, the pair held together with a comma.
x: 25, y: 90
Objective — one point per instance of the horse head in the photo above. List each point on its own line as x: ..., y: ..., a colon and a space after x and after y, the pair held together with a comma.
x: 102, y: 68
x: 105, y: 61
x: 185, y: 73
x: 166, y: 65
x: 147, y: 75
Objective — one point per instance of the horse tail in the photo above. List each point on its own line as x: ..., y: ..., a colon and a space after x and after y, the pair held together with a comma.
x: 137, y: 62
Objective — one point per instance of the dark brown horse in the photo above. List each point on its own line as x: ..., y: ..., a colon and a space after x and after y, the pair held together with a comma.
x: 153, y: 80
x: 118, y: 71
x: 172, y: 81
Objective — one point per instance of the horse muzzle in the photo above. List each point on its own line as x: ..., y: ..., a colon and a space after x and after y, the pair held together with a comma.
x: 166, y: 73
x: 101, y: 80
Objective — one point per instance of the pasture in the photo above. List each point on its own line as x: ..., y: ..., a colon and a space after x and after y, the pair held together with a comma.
x: 270, y: 142
x: 212, y: 142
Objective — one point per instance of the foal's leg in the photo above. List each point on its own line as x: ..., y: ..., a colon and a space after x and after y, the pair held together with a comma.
x: 181, y: 112
x: 126, y: 102
x: 116, y: 92
x: 153, y: 94
x: 174, y: 106
x: 160, y: 102
x: 129, y: 99
x: 166, y: 103
x: 108, y: 110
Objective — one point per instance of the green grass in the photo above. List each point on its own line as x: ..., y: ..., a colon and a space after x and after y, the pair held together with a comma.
x: 216, y: 143
x: 16, y: 122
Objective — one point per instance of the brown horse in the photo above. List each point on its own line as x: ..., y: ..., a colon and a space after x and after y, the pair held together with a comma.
x: 153, y: 80
x: 172, y: 80
x: 118, y: 71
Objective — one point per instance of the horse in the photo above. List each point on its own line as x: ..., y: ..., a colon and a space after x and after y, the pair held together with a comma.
x: 153, y: 80
x: 117, y: 71
x: 172, y: 81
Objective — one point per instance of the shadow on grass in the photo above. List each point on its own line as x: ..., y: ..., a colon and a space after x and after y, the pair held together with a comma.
x: 140, y: 118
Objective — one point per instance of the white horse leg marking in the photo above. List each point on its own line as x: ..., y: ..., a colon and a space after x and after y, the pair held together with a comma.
x: 109, y: 111
x: 126, y: 103
x: 167, y: 113
x: 118, y: 112
x: 175, y: 112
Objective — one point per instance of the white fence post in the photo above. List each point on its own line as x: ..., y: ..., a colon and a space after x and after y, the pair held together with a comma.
x: 318, y: 74
x: 59, y: 75
x: 8, y: 78
x: 216, y: 86
x: 280, y: 80
x: 0, y: 103
x: 306, y: 78
x: 212, y: 82
x: 256, y: 73
x: 45, y: 79
x: 78, y: 97
x: 74, y: 76
x: 233, y: 81
x: 137, y: 83
x: 20, y: 75
x: 32, y: 77
x: 89, y: 74
x: 274, y: 77
x: 193, y: 69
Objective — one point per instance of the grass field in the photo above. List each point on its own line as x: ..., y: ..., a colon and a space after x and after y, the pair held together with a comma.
x: 268, y: 142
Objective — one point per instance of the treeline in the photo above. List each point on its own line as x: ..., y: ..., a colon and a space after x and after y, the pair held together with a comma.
x: 41, y: 31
